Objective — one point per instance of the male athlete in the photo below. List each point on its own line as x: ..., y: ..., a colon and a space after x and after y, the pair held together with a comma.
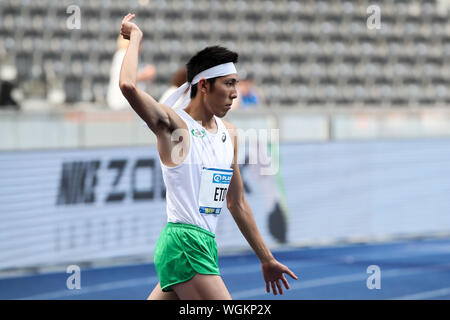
x: 198, y: 154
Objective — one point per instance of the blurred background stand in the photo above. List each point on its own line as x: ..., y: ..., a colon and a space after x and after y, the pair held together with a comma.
x: 7, y: 86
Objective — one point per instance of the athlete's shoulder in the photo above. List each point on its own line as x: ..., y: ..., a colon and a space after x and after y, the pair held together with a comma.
x: 229, y: 125
x: 232, y: 131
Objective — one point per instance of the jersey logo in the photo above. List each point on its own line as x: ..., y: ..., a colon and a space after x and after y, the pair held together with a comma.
x: 224, y: 137
x: 198, y: 133
x: 221, y: 178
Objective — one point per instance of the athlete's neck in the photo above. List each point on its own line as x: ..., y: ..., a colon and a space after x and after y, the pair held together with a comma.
x: 200, y: 114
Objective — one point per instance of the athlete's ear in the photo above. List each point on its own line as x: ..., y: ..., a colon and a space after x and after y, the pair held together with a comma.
x: 202, y: 86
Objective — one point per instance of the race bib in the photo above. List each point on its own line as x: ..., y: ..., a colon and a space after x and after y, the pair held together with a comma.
x: 214, y: 185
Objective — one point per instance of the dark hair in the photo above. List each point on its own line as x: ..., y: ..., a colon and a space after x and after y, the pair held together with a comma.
x: 205, y: 59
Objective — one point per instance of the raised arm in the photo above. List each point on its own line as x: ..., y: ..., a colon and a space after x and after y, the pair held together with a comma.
x: 272, y: 270
x: 159, y: 118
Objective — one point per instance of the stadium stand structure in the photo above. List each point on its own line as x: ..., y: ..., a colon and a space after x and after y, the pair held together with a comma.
x: 310, y: 53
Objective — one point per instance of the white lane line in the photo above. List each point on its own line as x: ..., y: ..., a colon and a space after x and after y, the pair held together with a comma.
x: 251, y: 268
x: 340, y: 258
x: 324, y: 282
x: 95, y: 288
x: 425, y: 295
x: 147, y: 281
x: 227, y: 271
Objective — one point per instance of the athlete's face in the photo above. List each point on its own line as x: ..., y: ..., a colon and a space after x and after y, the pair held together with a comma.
x: 221, y: 95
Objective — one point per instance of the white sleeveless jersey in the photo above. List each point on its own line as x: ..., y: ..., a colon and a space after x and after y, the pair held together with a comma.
x: 196, y: 189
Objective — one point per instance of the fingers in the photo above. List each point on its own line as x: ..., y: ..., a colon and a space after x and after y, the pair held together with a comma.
x: 274, y: 289
x: 286, y: 283
x: 289, y: 272
x: 276, y: 285
x: 123, y: 31
x: 128, y: 17
x: 280, y: 288
x: 276, y: 277
x: 125, y: 18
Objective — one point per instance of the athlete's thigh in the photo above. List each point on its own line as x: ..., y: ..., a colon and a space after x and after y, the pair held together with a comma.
x: 202, y: 287
x: 158, y: 294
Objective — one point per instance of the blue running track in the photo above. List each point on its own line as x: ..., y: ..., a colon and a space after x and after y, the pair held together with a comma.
x: 417, y: 269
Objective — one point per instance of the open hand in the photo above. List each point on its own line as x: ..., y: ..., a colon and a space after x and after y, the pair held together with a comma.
x: 128, y: 26
x: 273, y: 272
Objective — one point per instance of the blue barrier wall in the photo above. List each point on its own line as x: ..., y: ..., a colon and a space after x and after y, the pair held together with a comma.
x: 67, y: 206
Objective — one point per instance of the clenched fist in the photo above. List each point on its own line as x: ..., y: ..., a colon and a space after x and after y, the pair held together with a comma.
x: 128, y: 26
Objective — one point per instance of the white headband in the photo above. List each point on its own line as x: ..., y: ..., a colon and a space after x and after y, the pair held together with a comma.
x: 216, y: 71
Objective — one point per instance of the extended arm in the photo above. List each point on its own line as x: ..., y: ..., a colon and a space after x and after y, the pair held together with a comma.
x: 272, y: 270
x: 158, y: 116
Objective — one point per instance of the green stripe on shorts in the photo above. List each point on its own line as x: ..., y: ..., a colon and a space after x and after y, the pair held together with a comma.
x: 182, y: 250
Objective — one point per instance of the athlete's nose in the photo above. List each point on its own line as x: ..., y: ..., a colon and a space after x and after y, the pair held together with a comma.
x: 233, y: 94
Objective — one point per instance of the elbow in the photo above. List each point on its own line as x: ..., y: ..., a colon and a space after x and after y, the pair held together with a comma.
x: 127, y: 88
x: 234, y: 206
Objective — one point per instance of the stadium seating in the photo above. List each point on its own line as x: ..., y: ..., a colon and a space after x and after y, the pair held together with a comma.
x: 307, y: 53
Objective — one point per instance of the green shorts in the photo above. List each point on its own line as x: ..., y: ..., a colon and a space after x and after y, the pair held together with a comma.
x: 182, y: 250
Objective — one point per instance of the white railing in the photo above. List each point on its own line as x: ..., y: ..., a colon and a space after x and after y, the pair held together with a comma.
x: 98, y: 127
